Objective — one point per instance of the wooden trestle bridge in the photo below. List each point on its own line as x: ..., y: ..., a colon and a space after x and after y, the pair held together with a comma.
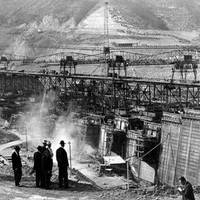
x: 105, y: 94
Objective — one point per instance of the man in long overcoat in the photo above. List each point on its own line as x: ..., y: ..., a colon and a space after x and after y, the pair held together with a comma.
x: 42, y: 164
x: 50, y: 161
x: 38, y: 165
x: 46, y: 167
x: 17, y: 165
x: 62, y: 159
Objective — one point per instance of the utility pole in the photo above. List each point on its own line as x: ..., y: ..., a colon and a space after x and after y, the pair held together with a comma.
x: 70, y: 158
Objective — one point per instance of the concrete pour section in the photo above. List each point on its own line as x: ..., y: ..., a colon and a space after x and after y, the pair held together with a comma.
x: 102, y: 182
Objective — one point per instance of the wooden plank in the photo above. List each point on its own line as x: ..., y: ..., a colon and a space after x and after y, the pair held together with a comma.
x: 147, y: 172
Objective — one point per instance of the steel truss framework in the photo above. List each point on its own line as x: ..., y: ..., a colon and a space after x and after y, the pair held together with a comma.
x: 106, y: 94
x: 132, y: 53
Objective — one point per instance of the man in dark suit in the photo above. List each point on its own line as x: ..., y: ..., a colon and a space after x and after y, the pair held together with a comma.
x: 17, y: 165
x: 43, y: 184
x: 38, y: 166
x: 186, y: 190
x: 50, y: 162
x: 61, y: 156
x: 46, y: 167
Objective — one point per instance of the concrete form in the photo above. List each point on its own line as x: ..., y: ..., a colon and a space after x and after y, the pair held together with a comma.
x: 180, y: 155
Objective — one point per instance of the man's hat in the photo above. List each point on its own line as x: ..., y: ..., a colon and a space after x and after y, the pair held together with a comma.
x: 62, y: 142
x: 39, y: 148
x: 17, y: 147
x: 49, y: 143
x: 45, y: 142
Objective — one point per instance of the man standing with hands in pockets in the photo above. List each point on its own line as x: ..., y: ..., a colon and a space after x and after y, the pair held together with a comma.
x: 62, y: 159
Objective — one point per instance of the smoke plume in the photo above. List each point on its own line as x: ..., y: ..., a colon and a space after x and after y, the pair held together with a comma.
x: 41, y: 124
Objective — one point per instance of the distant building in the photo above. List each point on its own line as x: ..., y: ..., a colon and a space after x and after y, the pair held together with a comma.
x: 124, y: 44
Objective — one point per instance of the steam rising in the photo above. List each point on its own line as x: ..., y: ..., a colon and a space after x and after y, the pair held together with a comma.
x: 41, y: 125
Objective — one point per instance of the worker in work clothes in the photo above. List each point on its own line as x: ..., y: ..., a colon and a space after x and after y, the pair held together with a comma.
x: 17, y: 165
x: 61, y: 156
x: 186, y: 189
x: 46, y: 163
x: 50, y: 161
x: 42, y: 168
x: 37, y: 168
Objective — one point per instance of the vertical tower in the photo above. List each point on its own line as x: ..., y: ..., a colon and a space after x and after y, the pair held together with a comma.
x: 106, y: 49
x: 106, y: 29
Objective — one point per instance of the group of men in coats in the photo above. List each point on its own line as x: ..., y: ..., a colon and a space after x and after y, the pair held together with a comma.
x: 43, y: 164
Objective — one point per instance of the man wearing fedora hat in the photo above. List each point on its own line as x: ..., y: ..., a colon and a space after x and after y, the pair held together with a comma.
x: 17, y: 165
x: 43, y: 164
x: 37, y: 168
x: 46, y: 163
x: 61, y: 156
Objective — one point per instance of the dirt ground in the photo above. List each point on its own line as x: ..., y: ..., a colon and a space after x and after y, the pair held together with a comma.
x: 77, y: 191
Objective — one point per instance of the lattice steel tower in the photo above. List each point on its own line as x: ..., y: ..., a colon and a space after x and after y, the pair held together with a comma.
x: 106, y: 28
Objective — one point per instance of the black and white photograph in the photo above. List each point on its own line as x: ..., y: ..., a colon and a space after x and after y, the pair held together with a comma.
x: 99, y: 99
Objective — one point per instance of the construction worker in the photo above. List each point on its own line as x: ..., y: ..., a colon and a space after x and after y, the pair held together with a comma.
x: 186, y: 189
x: 44, y: 145
x: 50, y: 161
x: 62, y: 159
x: 42, y: 164
x: 46, y: 163
x: 37, y: 168
x: 17, y: 165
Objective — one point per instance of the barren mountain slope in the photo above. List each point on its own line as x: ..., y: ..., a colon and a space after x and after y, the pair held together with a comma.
x: 16, y: 12
x: 39, y: 25
x: 147, y: 14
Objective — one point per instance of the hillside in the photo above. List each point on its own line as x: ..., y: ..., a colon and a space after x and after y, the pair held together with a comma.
x: 35, y: 27
x: 17, y: 12
x: 146, y: 14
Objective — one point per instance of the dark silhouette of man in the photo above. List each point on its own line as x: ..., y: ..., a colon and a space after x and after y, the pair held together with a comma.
x: 38, y: 166
x: 61, y: 156
x: 42, y: 163
x: 186, y: 189
x: 46, y: 163
x: 17, y: 165
x: 50, y: 161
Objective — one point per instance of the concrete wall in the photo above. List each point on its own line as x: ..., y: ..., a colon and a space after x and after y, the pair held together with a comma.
x: 180, y: 155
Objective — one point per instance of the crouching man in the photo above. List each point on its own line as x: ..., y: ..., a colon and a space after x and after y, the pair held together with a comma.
x: 186, y: 189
